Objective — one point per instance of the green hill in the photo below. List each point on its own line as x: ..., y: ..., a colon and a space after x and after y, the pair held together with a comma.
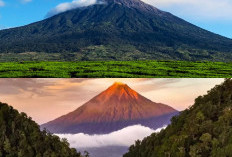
x: 116, y: 30
x: 21, y: 137
x: 203, y: 130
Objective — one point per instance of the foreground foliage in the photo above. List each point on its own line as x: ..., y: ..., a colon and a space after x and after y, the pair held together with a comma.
x: 203, y: 130
x: 21, y: 137
x: 116, y: 69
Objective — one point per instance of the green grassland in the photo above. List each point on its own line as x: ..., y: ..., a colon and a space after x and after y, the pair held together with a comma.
x: 116, y: 69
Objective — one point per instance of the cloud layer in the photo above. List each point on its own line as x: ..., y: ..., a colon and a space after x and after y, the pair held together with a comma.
x: 124, y: 137
x: 197, y: 9
x: 69, y: 6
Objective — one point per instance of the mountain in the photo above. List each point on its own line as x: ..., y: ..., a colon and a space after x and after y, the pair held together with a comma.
x: 115, y: 108
x: 205, y: 129
x: 115, y: 30
x: 21, y: 137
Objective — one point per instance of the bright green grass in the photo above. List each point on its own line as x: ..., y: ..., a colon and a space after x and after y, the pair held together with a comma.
x: 100, y: 69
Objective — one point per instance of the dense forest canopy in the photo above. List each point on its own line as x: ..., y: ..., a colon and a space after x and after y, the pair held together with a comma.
x: 203, y: 130
x: 21, y: 137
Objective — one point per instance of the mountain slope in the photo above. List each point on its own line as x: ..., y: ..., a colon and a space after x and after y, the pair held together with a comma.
x: 20, y: 136
x: 113, y: 109
x: 117, y: 30
x: 205, y: 129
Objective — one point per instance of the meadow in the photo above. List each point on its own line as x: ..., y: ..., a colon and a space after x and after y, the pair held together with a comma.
x: 116, y: 69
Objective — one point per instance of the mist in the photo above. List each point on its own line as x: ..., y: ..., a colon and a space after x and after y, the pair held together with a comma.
x: 124, y: 137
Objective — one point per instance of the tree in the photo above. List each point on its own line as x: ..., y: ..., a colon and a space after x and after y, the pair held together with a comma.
x: 203, y: 130
x: 20, y: 136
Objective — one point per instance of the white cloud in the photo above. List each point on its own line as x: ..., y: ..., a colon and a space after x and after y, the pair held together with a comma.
x: 124, y: 137
x: 208, y: 9
x: 70, y: 5
x: 2, y: 3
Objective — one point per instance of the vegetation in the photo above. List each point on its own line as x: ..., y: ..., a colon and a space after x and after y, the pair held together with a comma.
x: 21, y: 137
x: 116, y: 69
x: 203, y: 130
x: 111, y: 31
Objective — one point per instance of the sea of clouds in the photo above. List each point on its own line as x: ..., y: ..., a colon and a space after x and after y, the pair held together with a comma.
x: 123, y: 137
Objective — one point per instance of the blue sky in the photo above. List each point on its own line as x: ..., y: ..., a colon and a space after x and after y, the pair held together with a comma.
x: 213, y: 15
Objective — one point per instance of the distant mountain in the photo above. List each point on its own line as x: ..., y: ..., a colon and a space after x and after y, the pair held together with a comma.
x: 115, y: 108
x: 116, y: 30
x: 203, y: 130
x: 21, y: 137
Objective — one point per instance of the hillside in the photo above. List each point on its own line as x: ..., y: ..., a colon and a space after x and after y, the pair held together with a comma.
x: 115, y: 30
x: 115, y: 108
x: 21, y: 137
x: 203, y: 130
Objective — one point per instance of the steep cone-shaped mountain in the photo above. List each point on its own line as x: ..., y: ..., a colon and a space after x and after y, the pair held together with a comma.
x: 205, y: 129
x: 117, y: 30
x: 117, y: 107
x: 20, y: 136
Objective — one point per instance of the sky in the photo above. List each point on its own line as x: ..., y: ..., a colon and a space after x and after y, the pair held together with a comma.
x: 47, y: 99
x: 213, y: 15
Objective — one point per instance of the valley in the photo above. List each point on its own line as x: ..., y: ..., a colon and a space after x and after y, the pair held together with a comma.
x: 118, y: 111
x: 108, y: 121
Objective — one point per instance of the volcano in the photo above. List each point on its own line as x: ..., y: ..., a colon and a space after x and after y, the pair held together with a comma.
x: 115, y: 108
x: 116, y: 30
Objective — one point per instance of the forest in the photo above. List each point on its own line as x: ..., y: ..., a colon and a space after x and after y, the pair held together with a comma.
x: 202, y: 130
x: 20, y: 136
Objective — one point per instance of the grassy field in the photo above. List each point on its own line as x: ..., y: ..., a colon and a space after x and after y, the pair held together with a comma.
x: 116, y: 69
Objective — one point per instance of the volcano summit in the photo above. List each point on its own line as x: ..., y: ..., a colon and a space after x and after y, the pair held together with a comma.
x: 115, y: 108
x: 117, y: 30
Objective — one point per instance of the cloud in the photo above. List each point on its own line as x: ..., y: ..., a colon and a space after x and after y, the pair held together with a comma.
x: 157, y: 84
x: 207, y: 9
x: 69, y: 6
x: 39, y: 87
x: 16, y: 86
x: 2, y: 3
x: 26, y: 1
x: 39, y: 97
x: 124, y: 137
